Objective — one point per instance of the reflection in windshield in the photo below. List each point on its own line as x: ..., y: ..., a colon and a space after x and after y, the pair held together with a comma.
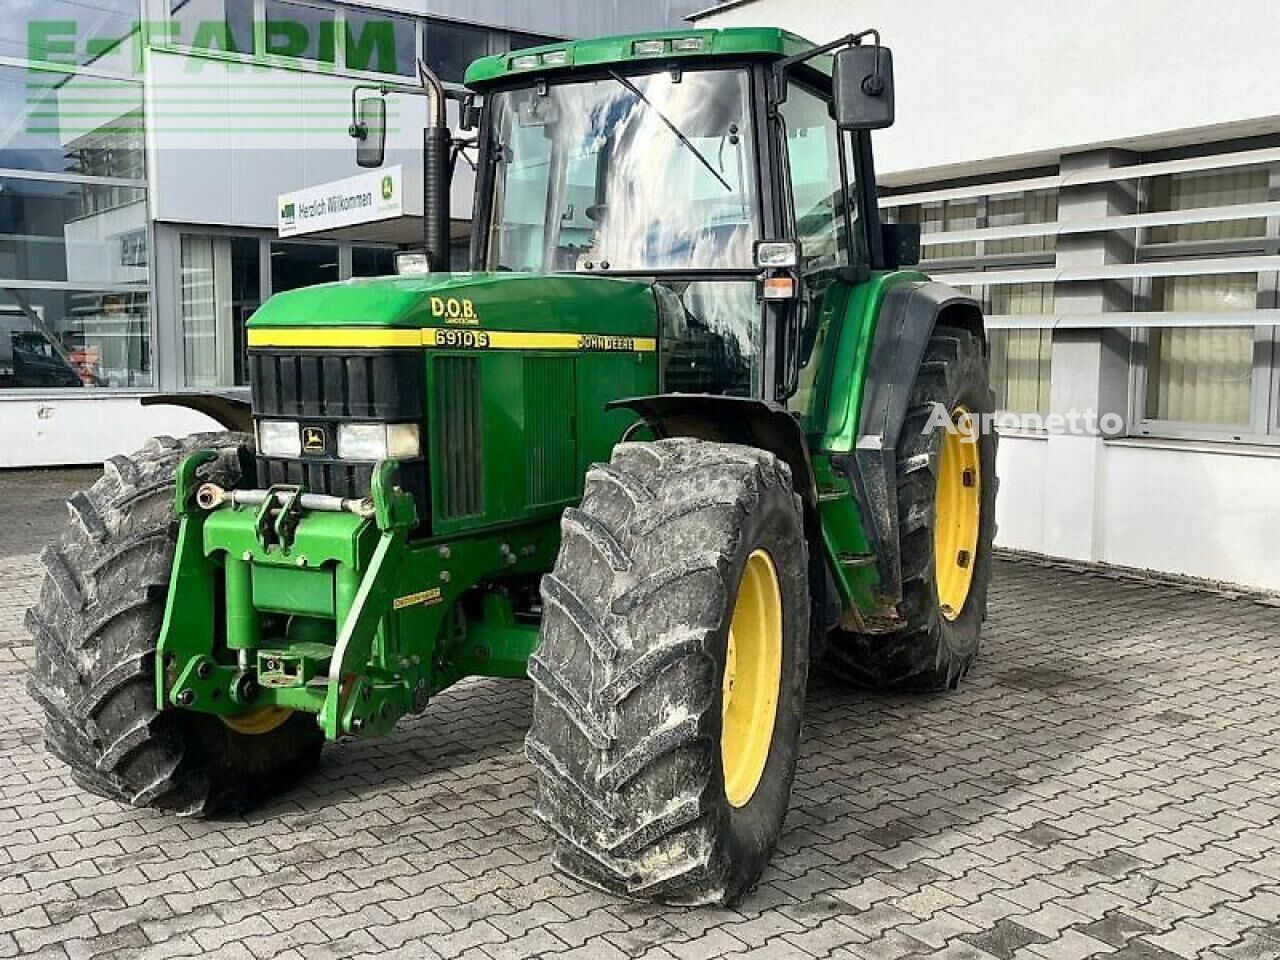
x: 710, y: 337
x: 625, y: 173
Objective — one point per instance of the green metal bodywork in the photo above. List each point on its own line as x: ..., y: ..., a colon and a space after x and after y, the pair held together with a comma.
x: 736, y: 43
x: 359, y: 619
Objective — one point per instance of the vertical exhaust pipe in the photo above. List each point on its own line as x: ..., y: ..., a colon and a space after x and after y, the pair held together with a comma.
x: 437, y: 147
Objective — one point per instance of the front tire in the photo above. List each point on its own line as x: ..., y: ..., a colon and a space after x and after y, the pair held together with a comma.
x: 96, y: 627
x: 670, y: 675
x: 946, y: 515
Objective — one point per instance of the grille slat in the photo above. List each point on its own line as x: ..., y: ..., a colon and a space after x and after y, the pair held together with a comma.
x: 459, y: 436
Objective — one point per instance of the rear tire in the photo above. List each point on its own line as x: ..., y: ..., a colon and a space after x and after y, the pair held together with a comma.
x: 937, y: 646
x: 96, y: 627
x: 628, y: 735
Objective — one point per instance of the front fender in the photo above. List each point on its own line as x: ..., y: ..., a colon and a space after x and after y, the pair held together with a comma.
x: 234, y: 413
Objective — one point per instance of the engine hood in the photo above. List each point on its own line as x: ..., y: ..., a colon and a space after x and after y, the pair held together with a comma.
x: 481, y: 301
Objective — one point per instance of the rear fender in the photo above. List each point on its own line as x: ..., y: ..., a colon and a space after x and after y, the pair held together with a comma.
x: 907, y: 317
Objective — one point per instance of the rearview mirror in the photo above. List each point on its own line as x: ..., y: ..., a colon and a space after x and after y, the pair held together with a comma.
x: 370, y: 131
x: 862, y: 81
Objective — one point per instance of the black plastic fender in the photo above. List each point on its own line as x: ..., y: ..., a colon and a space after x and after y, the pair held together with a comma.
x: 234, y: 413
x: 908, y: 315
x: 768, y: 426
x: 753, y: 423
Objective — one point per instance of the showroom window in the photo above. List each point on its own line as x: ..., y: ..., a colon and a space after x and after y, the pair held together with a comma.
x: 223, y: 277
x: 1021, y: 357
x: 995, y: 234
x: 1211, y: 372
x: 380, y: 43
x: 214, y: 24
x: 75, y: 304
x: 451, y: 47
x: 221, y: 282
x: 301, y: 31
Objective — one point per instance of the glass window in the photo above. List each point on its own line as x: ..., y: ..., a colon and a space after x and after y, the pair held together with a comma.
x: 83, y: 233
x: 817, y: 190
x: 1189, y: 191
x: 302, y: 32
x: 295, y: 265
x: 373, y: 261
x: 451, y: 48
x: 1201, y: 374
x: 75, y: 339
x: 214, y: 24
x: 381, y: 43
x: 710, y: 337
x: 100, y: 32
x: 1021, y: 360
x: 221, y: 288
x: 1008, y: 210
x: 519, y: 41
x: 60, y: 123
x: 638, y: 173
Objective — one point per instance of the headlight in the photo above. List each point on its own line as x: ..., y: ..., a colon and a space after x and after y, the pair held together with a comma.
x: 378, y: 441
x: 279, y: 438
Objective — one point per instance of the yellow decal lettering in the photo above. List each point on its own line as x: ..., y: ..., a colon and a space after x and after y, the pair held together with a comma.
x: 424, y: 597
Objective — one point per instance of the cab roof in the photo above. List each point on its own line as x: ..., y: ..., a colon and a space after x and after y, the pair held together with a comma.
x: 662, y: 46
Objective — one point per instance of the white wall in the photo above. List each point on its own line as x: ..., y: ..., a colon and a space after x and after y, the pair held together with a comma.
x: 1205, y: 511
x: 981, y: 81
x: 226, y: 139
x: 64, y: 431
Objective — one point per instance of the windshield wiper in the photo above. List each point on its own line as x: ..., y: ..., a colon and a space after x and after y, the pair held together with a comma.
x: 673, y: 128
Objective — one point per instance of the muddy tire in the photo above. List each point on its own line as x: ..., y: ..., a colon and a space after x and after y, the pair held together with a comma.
x: 96, y: 627
x: 628, y: 735
x: 938, y: 645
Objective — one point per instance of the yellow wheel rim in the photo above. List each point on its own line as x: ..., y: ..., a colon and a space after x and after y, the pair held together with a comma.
x: 957, y: 513
x: 259, y: 721
x: 752, y: 677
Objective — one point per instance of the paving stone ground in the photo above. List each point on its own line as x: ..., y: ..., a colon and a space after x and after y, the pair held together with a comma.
x: 1106, y: 783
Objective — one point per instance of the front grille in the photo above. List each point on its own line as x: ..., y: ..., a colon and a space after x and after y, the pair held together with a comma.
x: 322, y: 388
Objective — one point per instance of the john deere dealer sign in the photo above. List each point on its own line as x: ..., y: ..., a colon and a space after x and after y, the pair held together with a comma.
x: 366, y: 198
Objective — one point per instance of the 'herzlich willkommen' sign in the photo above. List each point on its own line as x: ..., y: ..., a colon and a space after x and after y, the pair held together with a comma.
x: 365, y: 198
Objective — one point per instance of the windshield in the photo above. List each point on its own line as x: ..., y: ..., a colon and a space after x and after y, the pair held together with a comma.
x: 625, y: 173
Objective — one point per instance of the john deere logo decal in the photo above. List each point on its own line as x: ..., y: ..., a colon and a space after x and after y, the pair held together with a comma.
x: 313, y: 440
x: 388, y: 188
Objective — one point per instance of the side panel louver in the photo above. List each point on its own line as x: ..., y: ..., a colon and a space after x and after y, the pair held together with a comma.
x: 551, y: 452
x: 459, y: 437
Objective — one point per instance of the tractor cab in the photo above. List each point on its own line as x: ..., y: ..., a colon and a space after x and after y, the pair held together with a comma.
x: 710, y: 162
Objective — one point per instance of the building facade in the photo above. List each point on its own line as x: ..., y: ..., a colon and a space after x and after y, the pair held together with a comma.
x: 1105, y: 178
x: 143, y: 147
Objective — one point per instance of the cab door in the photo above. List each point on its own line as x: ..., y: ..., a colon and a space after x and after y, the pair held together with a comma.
x: 821, y: 209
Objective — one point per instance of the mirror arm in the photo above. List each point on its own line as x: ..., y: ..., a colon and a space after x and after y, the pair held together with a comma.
x: 781, y: 67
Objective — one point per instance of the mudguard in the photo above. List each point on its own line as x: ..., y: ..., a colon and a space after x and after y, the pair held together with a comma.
x: 907, y: 317
x: 755, y: 423
x: 234, y: 413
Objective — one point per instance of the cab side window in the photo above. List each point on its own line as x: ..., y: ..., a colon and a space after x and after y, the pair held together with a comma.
x: 818, y: 192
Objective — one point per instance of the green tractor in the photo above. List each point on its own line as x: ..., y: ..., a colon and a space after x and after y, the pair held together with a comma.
x: 687, y: 428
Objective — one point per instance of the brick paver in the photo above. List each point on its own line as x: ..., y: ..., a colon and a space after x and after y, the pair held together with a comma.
x: 1104, y: 784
